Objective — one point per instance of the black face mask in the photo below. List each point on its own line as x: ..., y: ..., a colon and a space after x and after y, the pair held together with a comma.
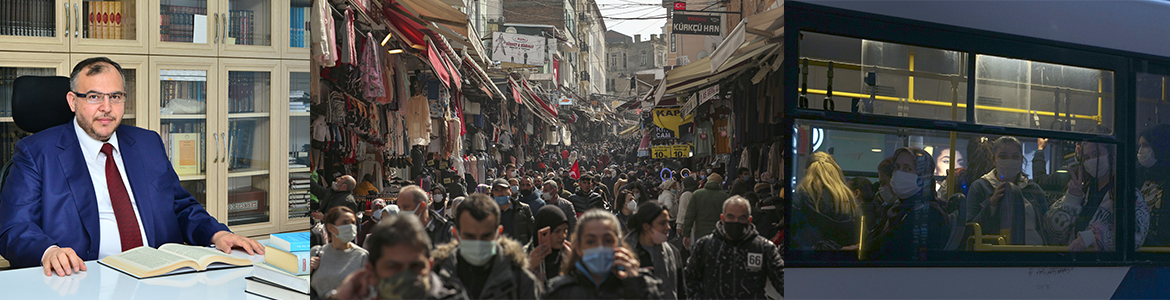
x: 735, y: 231
x: 525, y: 193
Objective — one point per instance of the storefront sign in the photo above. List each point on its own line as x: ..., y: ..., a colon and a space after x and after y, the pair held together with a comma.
x: 670, y: 151
x: 689, y: 107
x: 708, y: 93
x: 659, y: 133
x: 565, y: 101
x: 518, y: 48
x: 696, y: 24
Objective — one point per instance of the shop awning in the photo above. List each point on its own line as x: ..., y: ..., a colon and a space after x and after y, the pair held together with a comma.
x: 768, y: 24
x: 434, y: 11
x: 481, y: 77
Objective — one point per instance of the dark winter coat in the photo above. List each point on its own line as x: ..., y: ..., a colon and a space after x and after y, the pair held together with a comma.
x: 576, y: 284
x: 510, y: 278
x: 824, y: 229
x: 668, y: 266
x: 440, y: 230
x: 567, y: 208
x: 583, y: 201
x: 704, y: 209
x: 722, y: 268
x: 524, y: 224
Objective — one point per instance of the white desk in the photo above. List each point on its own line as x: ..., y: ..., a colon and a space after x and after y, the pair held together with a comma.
x: 101, y: 282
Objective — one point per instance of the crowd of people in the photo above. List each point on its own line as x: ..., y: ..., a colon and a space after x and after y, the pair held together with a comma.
x: 921, y: 203
x: 612, y: 228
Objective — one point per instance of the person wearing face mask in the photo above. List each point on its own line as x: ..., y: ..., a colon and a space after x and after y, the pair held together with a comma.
x: 438, y: 198
x: 398, y: 266
x: 825, y: 211
x: 545, y: 261
x: 412, y: 200
x: 551, y: 195
x: 1084, y: 217
x: 628, y: 203
x: 1154, y: 175
x: 601, y: 265
x: 690, y: 184
x: 482, y: 261
x: 649, y: 229
x: 530, y: 195
x: 374, y: 217
x: 331, y: 263
x: 670, y: 192
x: 1004, y: 201
x: 515, y: 216
x: 586, y: 197
x: 379, y: 215
x: 915, y: 221
x: 703, y: 210
x: 734, y: 261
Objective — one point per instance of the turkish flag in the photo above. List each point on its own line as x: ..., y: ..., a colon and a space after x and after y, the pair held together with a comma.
x: 679, y: 5
x: 575, y: 173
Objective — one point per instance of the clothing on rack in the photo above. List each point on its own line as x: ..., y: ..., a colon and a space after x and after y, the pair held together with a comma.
x: 371, y: 68
x: 323, y: 34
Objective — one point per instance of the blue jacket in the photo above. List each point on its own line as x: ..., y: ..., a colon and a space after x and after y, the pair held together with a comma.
x: 48, y: 197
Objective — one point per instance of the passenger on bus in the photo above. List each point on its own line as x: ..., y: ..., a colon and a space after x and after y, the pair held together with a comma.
x: 943, y: 165
x: 916, y: 220
x: 980, y: 158
x: 1084, y: 217
x: 1004, y: 201
x: 1154, y: 175
x: 825, y: 211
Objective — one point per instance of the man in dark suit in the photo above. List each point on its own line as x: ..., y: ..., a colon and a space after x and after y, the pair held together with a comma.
x: 92, y: 188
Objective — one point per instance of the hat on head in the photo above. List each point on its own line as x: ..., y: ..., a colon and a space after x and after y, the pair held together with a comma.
x: 500, y: 182
x: 715, y: 177
x: 551, y: 217
x: 666, y: 184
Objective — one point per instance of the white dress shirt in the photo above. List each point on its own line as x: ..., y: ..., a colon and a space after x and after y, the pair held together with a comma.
x: 95, y: 160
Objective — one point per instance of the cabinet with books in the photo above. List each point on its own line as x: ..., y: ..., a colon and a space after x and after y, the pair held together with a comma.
x: 228, y: 28
x: 110, y: 26
x: 250, y: 137
x: 297, y: 170
x: 297, y: 36
x: 36, y: 25
x: 187, y: 124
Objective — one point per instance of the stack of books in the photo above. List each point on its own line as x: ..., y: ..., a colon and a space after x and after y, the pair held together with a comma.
x: 298, y: 196
x: 298, y: 27
x: 104, y: 20
x: 285, y: 271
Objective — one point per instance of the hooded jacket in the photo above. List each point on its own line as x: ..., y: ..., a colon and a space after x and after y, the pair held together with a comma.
x: 722, y: 268
x: 704, y: 209
x: 668, y: 266
x: 991, y: 218
x: 509, y: 279
x: 577, y: 285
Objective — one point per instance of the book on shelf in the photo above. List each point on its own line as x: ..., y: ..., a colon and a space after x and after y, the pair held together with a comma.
x: 299, y: 186
x: 290, y: 241
x: 296, y: 262
x: 116, y: 20
x: 269, y: 290
x: 185, y: 153
x: 168, y: 259
x: 282, y: 278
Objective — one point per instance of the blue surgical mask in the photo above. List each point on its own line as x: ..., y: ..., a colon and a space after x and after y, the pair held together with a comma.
x: 502, y: 200
x: 598, y: 260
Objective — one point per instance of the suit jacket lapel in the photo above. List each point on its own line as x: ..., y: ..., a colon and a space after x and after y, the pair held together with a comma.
x: 139, y: 185
x: 80, y: 184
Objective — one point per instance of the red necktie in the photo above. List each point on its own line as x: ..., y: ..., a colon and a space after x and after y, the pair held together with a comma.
x: 123, y: 210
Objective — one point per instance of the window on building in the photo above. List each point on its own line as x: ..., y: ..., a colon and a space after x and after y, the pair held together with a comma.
x: 672, y: 43
x: 624, y: 60
x: 643, y: 57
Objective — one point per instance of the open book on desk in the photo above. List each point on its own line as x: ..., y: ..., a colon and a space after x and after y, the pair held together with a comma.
x: 170, y: 259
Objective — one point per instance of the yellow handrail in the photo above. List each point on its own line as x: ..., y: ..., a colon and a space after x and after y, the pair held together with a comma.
x: 941, y: 103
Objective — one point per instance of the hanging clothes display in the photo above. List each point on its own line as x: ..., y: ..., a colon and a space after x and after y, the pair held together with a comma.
x: 323, y: 34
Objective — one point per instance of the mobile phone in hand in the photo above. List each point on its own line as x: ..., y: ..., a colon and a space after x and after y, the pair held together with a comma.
x: 544, y: 234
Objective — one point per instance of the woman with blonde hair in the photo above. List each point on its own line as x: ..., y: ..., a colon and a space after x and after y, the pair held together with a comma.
x: 825, y: 210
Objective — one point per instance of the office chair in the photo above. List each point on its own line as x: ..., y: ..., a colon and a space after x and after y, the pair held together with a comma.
x: 38, y: 103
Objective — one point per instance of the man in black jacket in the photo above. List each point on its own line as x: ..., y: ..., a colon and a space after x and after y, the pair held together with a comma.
x: 515, y: 216
x: 481, y: 262
x: 340, y: 193
x: 734, y: 261
x: 586, y: 197
x: 412, y: 200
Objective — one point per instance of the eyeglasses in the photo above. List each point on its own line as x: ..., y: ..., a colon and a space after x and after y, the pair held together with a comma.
x: 98, y: 98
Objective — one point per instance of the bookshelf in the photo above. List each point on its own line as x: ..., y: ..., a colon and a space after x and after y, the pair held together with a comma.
x: 294, y: 115
x: 223, y: 28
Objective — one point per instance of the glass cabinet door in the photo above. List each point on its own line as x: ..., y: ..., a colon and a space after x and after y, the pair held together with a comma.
x: 182, y: 117
x: 297, y: 33
x: 117, y: 26
x: 298, y: 145
x: 186, y: 27
x: 247, y: 29
x: 13, y: 66
x: 249, y: 132
x: 36, y: 25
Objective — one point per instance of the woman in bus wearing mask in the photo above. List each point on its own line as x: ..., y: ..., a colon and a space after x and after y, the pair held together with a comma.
x: 916, y: 220
x: 649, y: 227
x: 1084, y: 217
x: 1004, y: 201
x: 601, y: 265
x: 824, y: 208
x: 1154, y: 177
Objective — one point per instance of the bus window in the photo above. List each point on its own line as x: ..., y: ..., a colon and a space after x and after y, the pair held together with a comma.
x: 1026, y: 94
x: 1153, y: 158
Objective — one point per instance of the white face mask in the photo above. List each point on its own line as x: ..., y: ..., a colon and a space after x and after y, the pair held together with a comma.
x: 1008, y: 168
x: 346, y: 233
x: 657, y: 236
x: 1146, y: 157
x: 632, y: 205
x: 546, y: 197
x: 476, y: 252
x: 905, y: 184
x: 1097, y: 167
